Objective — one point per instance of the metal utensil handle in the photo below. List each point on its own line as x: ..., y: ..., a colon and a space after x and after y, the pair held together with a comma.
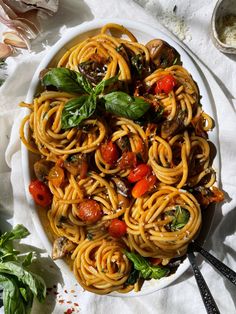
x: 206, y: 295
x: 221, y: 267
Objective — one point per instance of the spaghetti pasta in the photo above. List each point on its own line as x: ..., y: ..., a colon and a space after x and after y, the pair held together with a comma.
x: 125, y: 161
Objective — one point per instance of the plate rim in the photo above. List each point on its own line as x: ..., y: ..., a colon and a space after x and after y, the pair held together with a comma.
x: 198, y: 77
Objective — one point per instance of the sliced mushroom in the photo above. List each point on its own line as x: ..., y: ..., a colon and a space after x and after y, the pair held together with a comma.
x: 42, y: 168
x: 121, y: 187
x: 77, y: 164
x: 124, y: 144
x: 162, y: 54
x: 171, y: 127
x: 93, y: 70
x: 61, y: 247
x: 124, y: 201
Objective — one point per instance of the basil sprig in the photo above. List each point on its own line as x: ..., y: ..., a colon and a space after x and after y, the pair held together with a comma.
x: 19, y: 284
x: 78, y: 109
x: 146, y: 270
x: 180, y: 217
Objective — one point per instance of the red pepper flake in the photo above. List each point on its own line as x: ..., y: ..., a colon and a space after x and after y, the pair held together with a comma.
x: 76, y: 304
x: 56, y: 293
x: 69, y: 311
x: 69, y: 302
x: 65, y: 291
x: 61, y: 301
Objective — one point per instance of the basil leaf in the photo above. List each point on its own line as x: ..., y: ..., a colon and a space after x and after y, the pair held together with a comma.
x: 133, y: 277
x: 84, y: 83
x: 76, y: 110
x: 99, y: 89
x: 66, y: 80
x: 28, y: 259
x: 146, y: 270
x: 12, y: 300
x: 18, y: 232
x: 181, y: 217
x: 124, y: 105
x: 34, y: 282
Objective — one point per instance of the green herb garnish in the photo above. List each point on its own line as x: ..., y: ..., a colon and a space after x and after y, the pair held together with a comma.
x: 80, y: 108
x: 146, y: 270
x: 19, y: 285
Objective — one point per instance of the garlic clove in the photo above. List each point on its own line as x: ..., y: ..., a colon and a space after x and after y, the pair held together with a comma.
x: 13, y: 39
x: 5, y: 51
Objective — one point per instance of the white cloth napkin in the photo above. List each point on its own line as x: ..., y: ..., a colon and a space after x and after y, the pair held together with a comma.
x: 191, y: 24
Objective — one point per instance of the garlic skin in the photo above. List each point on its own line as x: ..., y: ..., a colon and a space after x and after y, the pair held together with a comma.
x: 23, y: 17
x: 13, y: 39
x: 5, y: 51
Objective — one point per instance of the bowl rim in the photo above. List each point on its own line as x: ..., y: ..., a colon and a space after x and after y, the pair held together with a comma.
x: 65, y: 39
x: 218, y: 43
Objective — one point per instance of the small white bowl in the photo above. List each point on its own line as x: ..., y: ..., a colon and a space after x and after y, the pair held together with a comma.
x: 222, y: 8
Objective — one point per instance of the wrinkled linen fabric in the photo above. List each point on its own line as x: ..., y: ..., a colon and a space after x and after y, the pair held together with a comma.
x: 182, y: 296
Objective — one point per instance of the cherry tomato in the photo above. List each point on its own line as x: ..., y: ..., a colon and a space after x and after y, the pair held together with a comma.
x: 143, y: 186
x: 40, y: 193
x: 128, y: 160
x: 152, y: 179
x: 117, y: 228
x: 140, y: 188
x: 109, y: 152
x: 155, y: 261
x: 89, y: 211
x: 56, y: 176
x: 139, y: 173
x: 165, y: 84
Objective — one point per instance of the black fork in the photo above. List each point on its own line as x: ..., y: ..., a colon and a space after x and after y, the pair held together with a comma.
x: 206, y: 295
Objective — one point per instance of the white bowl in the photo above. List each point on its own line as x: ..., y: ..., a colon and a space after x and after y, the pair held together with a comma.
x: 222, y: 8
x: 144, y: 33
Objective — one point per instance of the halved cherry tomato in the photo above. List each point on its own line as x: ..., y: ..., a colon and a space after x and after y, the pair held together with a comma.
x: 56, y: 176
x: 139, y: 173
x: 117, y: 228
x: 152, y: 179
x: 155, y: 261
x: 143, y: 186
x: 109, y: 152
x: 140, y: 188
x: 89, y: 211
x: 40, y: 193
x: 165, y: 84
x: 128, y: 160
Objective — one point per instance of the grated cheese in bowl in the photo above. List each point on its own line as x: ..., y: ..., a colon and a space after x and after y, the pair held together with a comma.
x: 227, y: 30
